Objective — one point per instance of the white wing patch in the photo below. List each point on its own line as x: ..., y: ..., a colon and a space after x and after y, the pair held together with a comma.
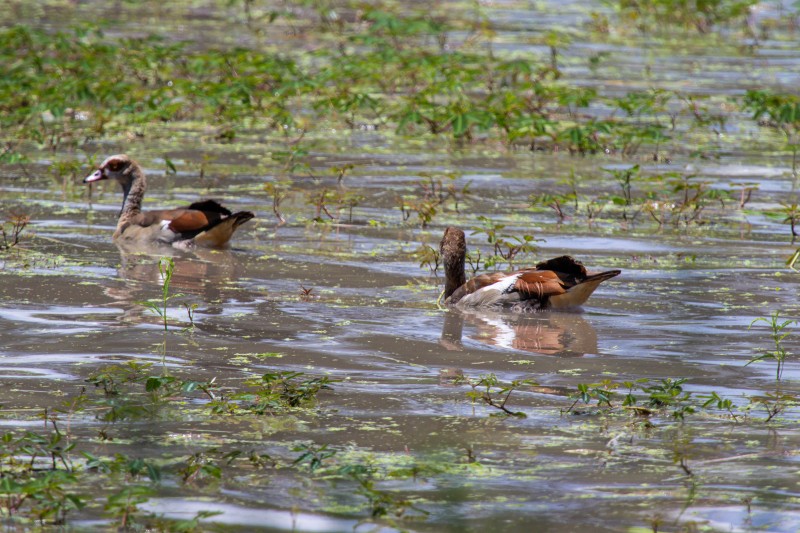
x: 166, y: 235
x: 499, y: 293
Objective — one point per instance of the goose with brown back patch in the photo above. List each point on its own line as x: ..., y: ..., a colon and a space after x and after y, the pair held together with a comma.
x: 558, y: 283
x: 203, y: 223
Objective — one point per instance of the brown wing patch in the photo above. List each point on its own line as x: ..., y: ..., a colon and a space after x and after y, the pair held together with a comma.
x: 539, y: 284
x: 189, y: 221
x: 484, y: 280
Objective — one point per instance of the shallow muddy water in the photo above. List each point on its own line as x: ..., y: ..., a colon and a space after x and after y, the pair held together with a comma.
x: 70, y: 308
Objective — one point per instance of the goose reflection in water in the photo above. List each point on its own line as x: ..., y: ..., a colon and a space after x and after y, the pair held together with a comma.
x: 550, y: 333
x: 201, y: 274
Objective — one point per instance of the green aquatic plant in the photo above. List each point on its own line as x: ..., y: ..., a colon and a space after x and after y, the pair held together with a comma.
x: 630, y: 137
x: 278, y: 190
x: 10, y: 236
x: 793, y: 259
x: 643, y: 125
x: 257, y: 460
x: 122, y: 504
x: 166, y: 267
x: 556, y: 202
x: 201, y: 465
x: 431, y: 195
x: 10, y: 156
x: 44, y: 496
x: 66, y: 172
x: 320, y: 199
x: 704, y: 116
x: 594, y: 207
x: 278, y: 390
x: 381, y: 503
x: 669, y: 393
x: 488, y: 389
x: 746, y: 190
x: 774, y: 403
x: 779, y: 332
x: 123, y: 507
x: 131, y: 391
x: 588, y: 137
x: 779, y: 111
x: 602, y: 393
x: 272, y: 393
x: 460, y: 92
x: 506, y: 248
x: 522, y: 105
x: 312, y: 455
x: 791, y: 214
x: 340, y: 171
x: 167, y: 386
x: 112, y: 378
x: 124, y: 467
x: 700, y: 15
x: 171, y: 169
x: 624, y: 178
x: 715, y: 400
x: 474, y: 260
x: 399, y: 30
x: 425, y: 209
x: 429, y: 257
x: 555, y: 40
x: 347, y: 200
x: 352, y: 104
x: 38, y: 477
x: 666, y: 392
x: 646, y: 397
x: 190, y: 309
x: 640, y: 104
x: 688, y: 202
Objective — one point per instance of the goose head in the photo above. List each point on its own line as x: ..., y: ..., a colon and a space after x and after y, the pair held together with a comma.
x: 119, y: 167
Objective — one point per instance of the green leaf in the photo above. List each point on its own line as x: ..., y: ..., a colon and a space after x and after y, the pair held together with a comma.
x: 153, y: 383
x: 170, y: 166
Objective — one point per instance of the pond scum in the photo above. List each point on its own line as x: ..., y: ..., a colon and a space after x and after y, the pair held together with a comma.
x: 442, y: 78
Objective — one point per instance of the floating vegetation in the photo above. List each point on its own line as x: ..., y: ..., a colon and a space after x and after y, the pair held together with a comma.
x: 423, y: 84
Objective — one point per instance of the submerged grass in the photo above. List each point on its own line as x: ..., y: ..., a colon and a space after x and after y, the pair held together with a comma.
x: 382, y: 70
x: 49, y: 473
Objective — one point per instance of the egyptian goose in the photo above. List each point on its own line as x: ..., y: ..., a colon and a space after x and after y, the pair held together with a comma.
x: 204, y: 223
x: 555, y: 284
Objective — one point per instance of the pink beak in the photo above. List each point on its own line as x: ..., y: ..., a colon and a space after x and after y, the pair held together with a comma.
x: 97, y: 176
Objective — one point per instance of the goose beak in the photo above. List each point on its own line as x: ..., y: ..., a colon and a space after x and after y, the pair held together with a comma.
x: 97, y: 176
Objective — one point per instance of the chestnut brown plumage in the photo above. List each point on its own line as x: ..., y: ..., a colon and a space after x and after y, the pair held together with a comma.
x: 558, y: 283
x: 205, y: 223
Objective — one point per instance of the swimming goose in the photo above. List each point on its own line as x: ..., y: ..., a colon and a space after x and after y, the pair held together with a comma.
x: 558, y: 283
x: 204, y: 223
